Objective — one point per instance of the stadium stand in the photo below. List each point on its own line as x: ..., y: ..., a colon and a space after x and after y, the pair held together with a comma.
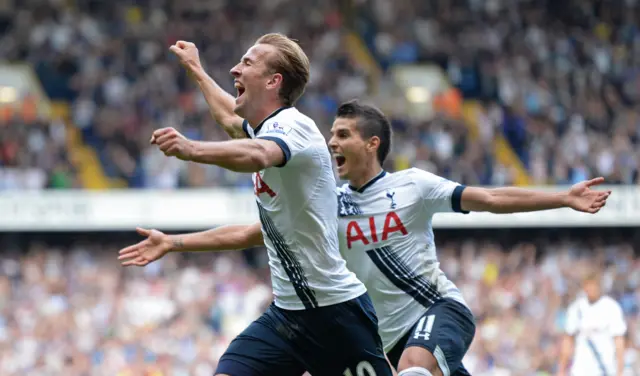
x: 548, y: 88
x: 66, y: 306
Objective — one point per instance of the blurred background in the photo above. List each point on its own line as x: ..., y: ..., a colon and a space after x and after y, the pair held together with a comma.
x: 484, y: 92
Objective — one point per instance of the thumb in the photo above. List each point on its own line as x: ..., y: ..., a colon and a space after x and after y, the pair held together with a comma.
x: 596, y: 181
x: 142, y: 231
x: 176, y: 50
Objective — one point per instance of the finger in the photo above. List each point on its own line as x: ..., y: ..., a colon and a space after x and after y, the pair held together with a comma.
x: 184, y: 44
x: 131, y: 262
x: 130, y: 254
x: 594, y: 210
x: 167, y: 146
x: 165, y: 137
x: 595, y: 181
x: 601, y: 198
x: 143, y: 231
x: 173, y: 150
x: 138, y: 261
x: 141, y: 262
x: 131, y: 248
x: 175, y: 49
x: 162, y: 131
x: 152, y: 140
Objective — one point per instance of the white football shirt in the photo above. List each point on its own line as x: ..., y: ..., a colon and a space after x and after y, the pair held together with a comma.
x: 387, y: 239
x: 594, y: 327
x: 297, y: 207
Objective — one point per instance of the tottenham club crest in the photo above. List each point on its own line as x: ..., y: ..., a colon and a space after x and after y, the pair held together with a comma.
x: 390, y: 195
x: 346, y: 206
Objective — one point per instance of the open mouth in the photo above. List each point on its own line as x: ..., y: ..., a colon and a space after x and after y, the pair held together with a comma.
x: 340, y: 160
x: 240, y: 89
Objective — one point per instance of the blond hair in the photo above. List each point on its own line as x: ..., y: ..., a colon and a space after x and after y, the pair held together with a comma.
x: 291, y: 62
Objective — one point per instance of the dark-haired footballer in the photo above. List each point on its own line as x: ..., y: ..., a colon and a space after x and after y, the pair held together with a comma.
x: 387, y: 239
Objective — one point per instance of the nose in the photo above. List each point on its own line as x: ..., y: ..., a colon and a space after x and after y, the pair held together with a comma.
x: 333, y: 144
x: 235, y: 71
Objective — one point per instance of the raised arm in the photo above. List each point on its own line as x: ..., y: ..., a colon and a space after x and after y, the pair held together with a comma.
x: 515, y: 200
x: 221, y: 103
x: 158, y: 244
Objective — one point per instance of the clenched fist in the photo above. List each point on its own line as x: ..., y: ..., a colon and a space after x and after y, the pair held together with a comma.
x: 173, y: 144
x: 188, y: 54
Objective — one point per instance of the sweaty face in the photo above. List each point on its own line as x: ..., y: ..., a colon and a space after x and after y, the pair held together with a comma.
x: 347, y: 148
x: 251, y: 78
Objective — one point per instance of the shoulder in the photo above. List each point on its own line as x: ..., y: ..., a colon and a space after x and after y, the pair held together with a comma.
x: 421, y: 174
x: 610, y: 302
x: 576, y: 304
x: 419, y: 177
x: 294, y: 126
x: 290, y: 119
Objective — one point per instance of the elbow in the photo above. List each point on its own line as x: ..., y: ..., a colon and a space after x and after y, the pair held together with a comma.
x: 492, y: 204
x: 259, y: 160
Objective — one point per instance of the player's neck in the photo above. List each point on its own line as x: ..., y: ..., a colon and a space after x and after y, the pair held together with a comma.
x: 366, y: 176
x: 594, y: 300
x: 261, y: 114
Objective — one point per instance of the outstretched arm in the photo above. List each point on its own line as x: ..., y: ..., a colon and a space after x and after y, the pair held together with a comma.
x: 221, y: 104
x: 515, y: 200
x: 158, y: 244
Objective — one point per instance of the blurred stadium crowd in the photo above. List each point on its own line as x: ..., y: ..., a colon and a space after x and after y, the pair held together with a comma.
x: 558, y: 79
x: 69, y: 309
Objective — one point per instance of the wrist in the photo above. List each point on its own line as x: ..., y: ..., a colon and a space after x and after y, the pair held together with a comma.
x: 198, y: 73
x: 174, y: 243
x: 565, y: 199
x: 193, y: 150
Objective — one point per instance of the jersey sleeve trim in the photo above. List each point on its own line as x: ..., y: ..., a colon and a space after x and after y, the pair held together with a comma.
x: 245, y: 128
x: 456, y: 199
x: 283, y: 145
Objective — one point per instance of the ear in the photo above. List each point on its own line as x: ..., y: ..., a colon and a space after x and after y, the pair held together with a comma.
x: 274, y: 81
x: 373, y: 144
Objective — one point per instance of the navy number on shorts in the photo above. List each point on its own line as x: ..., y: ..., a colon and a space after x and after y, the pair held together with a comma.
x: 363, y: 368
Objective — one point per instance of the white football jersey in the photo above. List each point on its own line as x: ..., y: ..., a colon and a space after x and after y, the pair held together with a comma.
x: 387, y: 239
x: 297, y: 207
x: 594, y: 327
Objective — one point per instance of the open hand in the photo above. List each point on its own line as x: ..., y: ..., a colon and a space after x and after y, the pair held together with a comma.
x: 188, y: 55
x: 155, y: 246
x: 173, y: 144
x: 582, y: 198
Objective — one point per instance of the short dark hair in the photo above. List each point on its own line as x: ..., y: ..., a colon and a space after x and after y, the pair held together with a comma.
x: 370, y: 122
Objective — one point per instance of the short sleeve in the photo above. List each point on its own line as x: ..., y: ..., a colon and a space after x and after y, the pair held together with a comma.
x: 572, y: 321
x: 291, y: 139
x: 248, y: 131
x: 618, y: 325
x: 441, y: 195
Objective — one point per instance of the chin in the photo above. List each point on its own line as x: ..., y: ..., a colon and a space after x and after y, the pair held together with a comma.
x: 343, y: 174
